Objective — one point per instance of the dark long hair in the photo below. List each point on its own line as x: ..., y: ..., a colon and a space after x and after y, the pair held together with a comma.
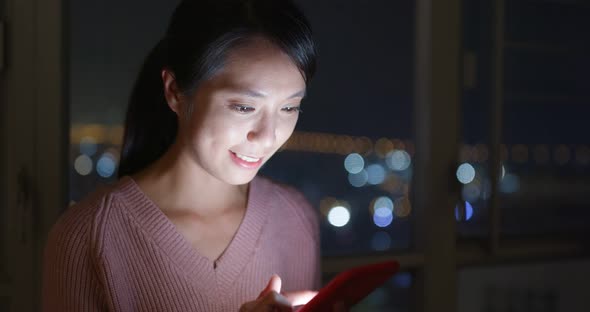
x: 199, y: 35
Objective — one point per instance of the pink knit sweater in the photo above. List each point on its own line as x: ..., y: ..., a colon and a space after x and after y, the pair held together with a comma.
x: 116, y: 251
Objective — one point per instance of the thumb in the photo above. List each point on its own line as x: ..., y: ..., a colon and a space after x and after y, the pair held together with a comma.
x: 274, y: 284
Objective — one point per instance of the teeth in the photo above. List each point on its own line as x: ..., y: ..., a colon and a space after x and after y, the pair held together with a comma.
x: 246, y: 158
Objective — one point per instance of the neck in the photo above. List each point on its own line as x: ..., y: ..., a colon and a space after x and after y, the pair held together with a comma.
x: 179, y: 186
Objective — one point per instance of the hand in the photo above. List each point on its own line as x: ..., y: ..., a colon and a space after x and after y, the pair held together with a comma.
x: 271, y: 299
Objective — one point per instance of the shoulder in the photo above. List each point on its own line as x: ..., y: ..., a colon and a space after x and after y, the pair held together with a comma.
x: 294, y: 201
x: 80, y: 224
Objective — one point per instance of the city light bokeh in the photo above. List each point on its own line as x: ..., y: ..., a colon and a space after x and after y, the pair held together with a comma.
x: 83, y: 165
x: 339, y: 216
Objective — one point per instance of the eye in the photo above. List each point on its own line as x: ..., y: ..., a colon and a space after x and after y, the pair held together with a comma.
x: 292, y: 109
x: 241, y: 108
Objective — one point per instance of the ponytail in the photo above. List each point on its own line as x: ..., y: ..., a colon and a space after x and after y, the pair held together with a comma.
x: 150, y: 125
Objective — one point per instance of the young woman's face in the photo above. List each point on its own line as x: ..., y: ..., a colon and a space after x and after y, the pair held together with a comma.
x: 244, y: 113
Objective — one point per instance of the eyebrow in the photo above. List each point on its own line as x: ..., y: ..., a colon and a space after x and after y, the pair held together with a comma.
x: 256, y: 94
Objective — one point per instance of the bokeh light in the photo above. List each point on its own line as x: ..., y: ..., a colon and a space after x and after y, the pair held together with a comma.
x: 468, y: 212
x: 402, y: 280
x: 363, y: 145
x: 402, y: 207
x: 327, y: 203
x: 383, y: 146
x: 381, y: 241
x: 114, y: 135
x: 376, y: 174
x: 398, y: 144
x: 465, y: 173
x: 398, y: 160
x: 346, y: 145
x: 382, y: 202
x: 382, y: 217
x: 358, y: 179
x: 339, y: 216
x: 88, y: 146
x: 354, y: 163
x: 115, y: 152
x: 83, y: 165
x: 106, y: 165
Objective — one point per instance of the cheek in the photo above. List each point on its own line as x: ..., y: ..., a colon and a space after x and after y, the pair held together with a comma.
x: 216, y: 130
x: 223, y: 132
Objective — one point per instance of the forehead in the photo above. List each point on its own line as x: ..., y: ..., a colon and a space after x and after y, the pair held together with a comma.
x: 259, y: 65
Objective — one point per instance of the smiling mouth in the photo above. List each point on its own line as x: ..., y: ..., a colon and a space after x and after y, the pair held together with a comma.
x: 247, y: 158
x: 244, y: 161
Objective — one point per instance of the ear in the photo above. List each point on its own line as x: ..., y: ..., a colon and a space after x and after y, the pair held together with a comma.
x: 171, y: 92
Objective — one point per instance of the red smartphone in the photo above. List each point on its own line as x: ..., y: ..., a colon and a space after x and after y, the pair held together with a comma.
x: 351, y: 286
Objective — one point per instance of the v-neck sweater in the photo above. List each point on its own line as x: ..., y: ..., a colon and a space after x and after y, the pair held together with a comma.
x: 117, y: 251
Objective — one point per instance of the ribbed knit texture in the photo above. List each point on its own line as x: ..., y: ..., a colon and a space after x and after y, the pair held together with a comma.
x: 117, y: 251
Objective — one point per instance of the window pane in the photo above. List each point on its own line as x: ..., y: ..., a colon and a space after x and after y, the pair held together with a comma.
x: 545, y: 152
x: 105, y: 53
x: 472, y: 212
x: 544, y: 190
x: 352, y: 152
x: 352, y: 155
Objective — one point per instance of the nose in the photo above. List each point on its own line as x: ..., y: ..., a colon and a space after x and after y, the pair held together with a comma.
x: 264, y: 132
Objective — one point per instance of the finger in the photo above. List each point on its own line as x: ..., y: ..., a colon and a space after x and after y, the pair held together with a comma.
x: 274, y: 284
x: 248, y: 306
x: 300, y: 297
x: 276, y: 300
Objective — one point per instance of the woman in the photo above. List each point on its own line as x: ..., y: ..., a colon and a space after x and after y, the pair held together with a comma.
x: 189, y: 226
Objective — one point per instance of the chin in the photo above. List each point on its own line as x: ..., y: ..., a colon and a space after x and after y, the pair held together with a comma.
x: 240, y: 179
